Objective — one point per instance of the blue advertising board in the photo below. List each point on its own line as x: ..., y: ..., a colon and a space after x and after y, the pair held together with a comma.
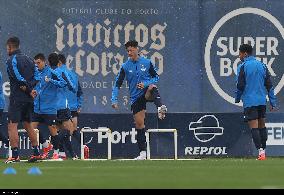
x: 193, y: 44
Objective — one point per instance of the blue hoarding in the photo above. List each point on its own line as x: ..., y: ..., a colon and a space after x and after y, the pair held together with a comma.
x: 194, y: 45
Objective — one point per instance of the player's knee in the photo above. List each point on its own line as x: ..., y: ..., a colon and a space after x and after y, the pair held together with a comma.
x: 139, y: 124
x: 261, y: 123
x: 152, y: 86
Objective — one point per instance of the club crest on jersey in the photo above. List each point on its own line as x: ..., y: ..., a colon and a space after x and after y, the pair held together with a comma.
x: 143, y: 68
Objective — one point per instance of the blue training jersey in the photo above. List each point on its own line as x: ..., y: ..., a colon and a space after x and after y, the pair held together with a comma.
x: 135, y: 72
x: 46, y: 100
x: 62, y: 101
x: 75, y: 97
x: 254, y: 83
x: 20, y: 69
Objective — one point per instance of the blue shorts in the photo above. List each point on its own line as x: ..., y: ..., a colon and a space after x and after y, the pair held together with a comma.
x: 48, y: 119
x: 139, y: 104
x: 63, y: 115
x: 20, y: 111
x: 74, y: 114
x: 254, y: 112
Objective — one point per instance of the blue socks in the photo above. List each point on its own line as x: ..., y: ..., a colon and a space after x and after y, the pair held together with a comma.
x: 15, y: 152
x: 157, y: 97
x: 141, y: 139
x: 55, y: 142
x: 263, y: 137
x: 77, y: 135
x: 36, y: 150
x: 68, y: 144
x: 256, y: 137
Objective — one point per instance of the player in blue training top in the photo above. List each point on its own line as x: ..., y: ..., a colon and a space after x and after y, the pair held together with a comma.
x: 20, y: 69
x: 45, y: 100
x: 75, y: 99
x: 141, y: 76
x: 65, y: 125
x: 253, y: 84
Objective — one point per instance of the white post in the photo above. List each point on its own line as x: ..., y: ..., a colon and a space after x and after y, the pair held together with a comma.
x: 161, y: 131
x: 109, y: 140
x: 82, y: 145
x: 175, y: 143
x: 99, y: 129
x: 148, y: 145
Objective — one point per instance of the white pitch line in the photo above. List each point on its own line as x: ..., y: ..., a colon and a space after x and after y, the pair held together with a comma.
x: 179, y: 159
x: 47, y: 160
x: 61, y: 160
x: 89, y: 159
x: 154, y: 159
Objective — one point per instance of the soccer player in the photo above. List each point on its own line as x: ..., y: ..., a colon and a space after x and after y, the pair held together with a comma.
x: 253, y: 84
x: 63, y: 111
x: 3, y: 137
x: 74, y: 98
x: 45, y: 95
x: 20, y: 69
x: 141, y: 75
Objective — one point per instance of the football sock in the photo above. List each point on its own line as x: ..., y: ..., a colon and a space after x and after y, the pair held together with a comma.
x: 41, y: 138
x: 61, y: 147
x: 157, y: 97
x: 55, y: 142
x: 141, y: 139
x: 76, y: 134
x: 15, y: 152
x: 67, y: 143
x: 36, y: 150
x: 256, y: 137
x: 263, y: 136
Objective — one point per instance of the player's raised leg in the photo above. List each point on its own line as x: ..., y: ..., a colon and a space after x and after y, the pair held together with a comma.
x: 152, y: 94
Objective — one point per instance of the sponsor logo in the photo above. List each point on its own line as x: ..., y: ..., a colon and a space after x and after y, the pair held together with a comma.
x: 275, y: 133
x: 206, y: 129
x: 205, y: 151
x: 222, y: 70
x: 119, y: 137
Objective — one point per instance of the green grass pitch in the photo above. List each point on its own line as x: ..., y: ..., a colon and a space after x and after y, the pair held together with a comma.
x: 204, y: 173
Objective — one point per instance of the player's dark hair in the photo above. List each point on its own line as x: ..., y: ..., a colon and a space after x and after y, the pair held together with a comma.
x: 13, y: 42
x: 62, y: 58
x: 246, y: 48
x: 39, y: 56
x: 53, y: 60
x: 131, y: 43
